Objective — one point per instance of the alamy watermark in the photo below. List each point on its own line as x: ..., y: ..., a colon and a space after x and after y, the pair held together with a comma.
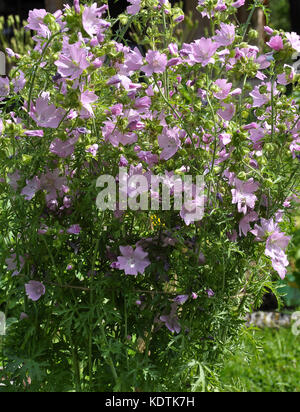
x: 296, y: 324
x: 2, y: 324
x: 296, y: 64
x: 2, y: 64
x: 144, y: 191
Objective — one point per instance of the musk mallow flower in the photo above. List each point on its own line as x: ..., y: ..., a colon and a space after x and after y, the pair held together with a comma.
x: 4, y: 87
x: 286, y: 77
x: 87, y: 98
x: 221, y: 6
x: 243, y: 194
x: 32, y: 133
x: 276, y: 43
x: 91, y: 19
x: 132, y: 261
x: 223, y: 89
x: 74, y: 229
x: 202, y: 51
x: 72, y: 61
x: 227, y: 111
x: 157, y: 63
x: 15, y: 264
x: 77, y: 6
x: 238, y: 3
x: 192, y: 210
x: 181, y: 299
x: 134, y: 8
x: 294, y: 40
x: 133, y: 61
x: 36, y: 22
x: 259, y: 98
x: 62, y: 148
x: 34, y: 290
x: 13, y: 179
x: 276, y: 244
x: 169, y: 141
x: 266, y: 228
x: 244, y: 224
x: 32, y: 186
x: 46, y: 114
x: 171, y: 320
x: 226, y: 35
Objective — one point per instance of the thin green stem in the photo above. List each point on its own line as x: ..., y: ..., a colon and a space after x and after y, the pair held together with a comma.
x: 249, y: 20
x: 36, y: 67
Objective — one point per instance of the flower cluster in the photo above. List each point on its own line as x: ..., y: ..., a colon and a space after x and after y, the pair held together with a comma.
x: 89, y: 102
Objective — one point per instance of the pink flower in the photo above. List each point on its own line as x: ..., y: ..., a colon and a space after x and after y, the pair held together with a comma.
x: 227, y: 112
x: 74, y: 229
x: 171, y: 320
x: 77, y: 6
x: 243, y: 194
x: 192, y: 210
x: 133, y: 62
x: 150, y: 158
x: 275, y: 249
x: 294, y: 40
x: 15, y: 264
x: 91, y: 19
x: 267, y: 228
x: 238, y: 3
x: 52, y: 183
x: 225, y: 36
x: 19, y: 82
x: 258, y: 98
x: 224, y: 89
x: 173, y: 49
x: 4, y: 87
x: 170, y: 143
x: 157, y: 63
x: 142, y: 104
x: 210, y: 293
x: 37, y: 133
x: 203, y: 51
x: 225, y: 138
x: 63, y: 148
x: 132, y: 261
x: 232, y: 236
x: 86, y: 99
x: 134, y: 8
x: 36, y: 22
x: 276, y: 43
x: 285, y: 78
x: 13, y: 179
x: 93, y: 149
x: 268, y: 30
x: 244, y: 226
x: 32, y: 186
x: 45, y: 114
x: 221, y: 6
x: 181, y: 299
x: 72, y: 60
x: 34, y: 290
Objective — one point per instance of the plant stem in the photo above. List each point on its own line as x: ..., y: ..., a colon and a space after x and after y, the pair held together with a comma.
x: 249, y: 20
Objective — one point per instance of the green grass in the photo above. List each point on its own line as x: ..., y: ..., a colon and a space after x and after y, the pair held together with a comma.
x: 268, y: 362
